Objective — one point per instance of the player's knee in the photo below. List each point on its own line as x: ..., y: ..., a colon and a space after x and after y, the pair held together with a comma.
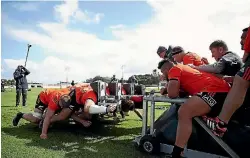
x: 36, y: 117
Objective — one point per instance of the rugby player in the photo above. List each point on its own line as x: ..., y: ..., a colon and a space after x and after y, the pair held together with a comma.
x: 186, y: 58
x: 227, y: 62
x: 208, y: 93
x: 42, y: 101
x: 238, y: 92
x: 82, y: 97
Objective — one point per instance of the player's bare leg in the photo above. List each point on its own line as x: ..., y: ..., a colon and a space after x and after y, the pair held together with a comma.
x: 234, y: 99
x: 193, y: 107
x: 34, y: 117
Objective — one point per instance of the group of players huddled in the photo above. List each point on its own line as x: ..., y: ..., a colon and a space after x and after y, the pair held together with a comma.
x: 217, y: 90
x: 78, y: 102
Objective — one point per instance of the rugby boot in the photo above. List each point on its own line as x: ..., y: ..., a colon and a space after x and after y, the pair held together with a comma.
x: 217, y: 126
x: 17, y: 119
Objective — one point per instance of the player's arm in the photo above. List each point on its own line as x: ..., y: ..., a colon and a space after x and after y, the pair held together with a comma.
x: 63, y: 115
x: 138, y: 113
x: 204, y: 60
x: 91, y: 108
x: 17, y: 75
x: 217, y: 67
x: 89, y: 99
x: 82, y: 121
x: 173, y: 88
x: 49, y: 114
x: 26, y: 71
x: 164, y: 90
x: 174, y: 76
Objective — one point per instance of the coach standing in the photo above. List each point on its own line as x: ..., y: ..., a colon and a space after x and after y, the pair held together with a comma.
x: 21, y: 84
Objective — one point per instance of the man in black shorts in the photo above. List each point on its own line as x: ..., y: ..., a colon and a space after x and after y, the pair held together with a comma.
x: 214, y: 91
x: 40, y: 106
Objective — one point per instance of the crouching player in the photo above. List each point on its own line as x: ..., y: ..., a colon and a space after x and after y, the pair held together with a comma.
x: 81, y: 97
x: 42, y: 102
x: 213, y: 93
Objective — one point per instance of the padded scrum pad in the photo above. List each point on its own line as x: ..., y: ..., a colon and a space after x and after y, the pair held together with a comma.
x: 129, y: 88
x: 170, y: 114
x: 115, y: 89
x: 139, y: 90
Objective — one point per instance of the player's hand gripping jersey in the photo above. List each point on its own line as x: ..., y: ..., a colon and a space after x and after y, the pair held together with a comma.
x: 43, y: 99
x: 80, y: 94
x: 192, y: 58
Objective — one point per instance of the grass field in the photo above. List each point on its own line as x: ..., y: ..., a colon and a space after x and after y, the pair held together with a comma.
x: 66, y: 140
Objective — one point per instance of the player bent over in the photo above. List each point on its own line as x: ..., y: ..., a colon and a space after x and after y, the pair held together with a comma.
x: 213, y: 93
x: 81, y: 97
x: 41, y: 104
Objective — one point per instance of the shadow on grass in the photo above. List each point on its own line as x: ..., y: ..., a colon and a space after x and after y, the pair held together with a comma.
x: 100, y: 140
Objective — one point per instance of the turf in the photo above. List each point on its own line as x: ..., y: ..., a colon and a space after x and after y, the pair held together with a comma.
x: 108, y: 139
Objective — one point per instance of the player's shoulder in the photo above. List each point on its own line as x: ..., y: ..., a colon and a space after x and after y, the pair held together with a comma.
x: 190, y: 54
x: 177, y: 68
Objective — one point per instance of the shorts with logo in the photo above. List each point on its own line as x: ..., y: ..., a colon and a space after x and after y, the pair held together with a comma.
x: 215, y: 100
x: 40, y: 105
x: 244, y: 72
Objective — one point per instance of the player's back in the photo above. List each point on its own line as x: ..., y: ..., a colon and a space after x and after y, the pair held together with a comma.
x: 192, y: 58
x: 194, y: 81
x: 45, y: 95
x: 84, y: 92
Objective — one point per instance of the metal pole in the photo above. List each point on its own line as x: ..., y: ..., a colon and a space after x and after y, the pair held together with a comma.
x: 29, y: 45
x: 145, y: 118
x: 152, y: 116
x: 122, y: 71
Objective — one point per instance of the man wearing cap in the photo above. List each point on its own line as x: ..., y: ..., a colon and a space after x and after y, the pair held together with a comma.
x: 180, y: 55
x: 165, y: 53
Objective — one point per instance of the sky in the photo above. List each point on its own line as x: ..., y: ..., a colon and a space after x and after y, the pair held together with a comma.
x: 89, y: 38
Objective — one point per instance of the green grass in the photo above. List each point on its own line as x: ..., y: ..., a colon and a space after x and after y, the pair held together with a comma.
x: 65, y: 140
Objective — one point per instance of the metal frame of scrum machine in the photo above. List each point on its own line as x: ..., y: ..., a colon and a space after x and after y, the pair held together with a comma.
x: 146, y: 140
x: 115, y: 92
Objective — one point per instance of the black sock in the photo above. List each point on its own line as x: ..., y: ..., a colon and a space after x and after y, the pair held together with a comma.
x: 177, y: 152
x: 21, y: 114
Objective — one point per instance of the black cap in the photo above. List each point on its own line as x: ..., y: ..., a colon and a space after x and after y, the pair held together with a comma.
x: 177, y: 50
x: 161, y: 49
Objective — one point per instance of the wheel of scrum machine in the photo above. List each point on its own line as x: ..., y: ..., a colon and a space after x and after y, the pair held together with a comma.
x: 149, y: 144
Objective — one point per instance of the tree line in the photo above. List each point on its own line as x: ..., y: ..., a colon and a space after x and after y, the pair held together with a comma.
x: 145, y: 79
